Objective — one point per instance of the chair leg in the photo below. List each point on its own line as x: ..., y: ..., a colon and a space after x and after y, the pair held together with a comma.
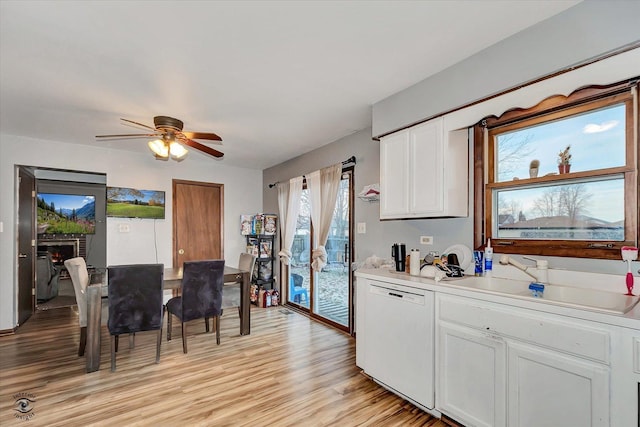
x: 169, y: 317
x: 114, y: 339
x: 83, y: 341
x: 158, y: 345
x: 117, y: 341
x: 132, y: 340
x: 184, y: 337
x: 206, y: 324
x: 164, y: 309
x: 217, y: 320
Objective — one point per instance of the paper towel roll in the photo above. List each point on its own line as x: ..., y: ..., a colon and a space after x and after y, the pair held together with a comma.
x: 414, y: 262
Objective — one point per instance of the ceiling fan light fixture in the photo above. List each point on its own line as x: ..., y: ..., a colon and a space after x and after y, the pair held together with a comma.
x: 159, y: 148
x: 171, y: 141
x: 177, y: 150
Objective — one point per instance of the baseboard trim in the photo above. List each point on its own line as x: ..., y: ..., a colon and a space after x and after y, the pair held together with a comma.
x: 450, y: 421
x: 5, y: 332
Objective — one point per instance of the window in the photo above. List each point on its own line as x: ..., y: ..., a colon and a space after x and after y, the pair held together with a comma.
x: 561, y: 178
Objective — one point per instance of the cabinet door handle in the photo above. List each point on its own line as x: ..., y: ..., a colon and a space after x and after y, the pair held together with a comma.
x: 22, y: 255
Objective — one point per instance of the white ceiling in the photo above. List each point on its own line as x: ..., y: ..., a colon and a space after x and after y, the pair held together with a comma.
x: 275, y: 79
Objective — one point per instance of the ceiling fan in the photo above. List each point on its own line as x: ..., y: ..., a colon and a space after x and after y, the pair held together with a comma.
x: 170, y: 139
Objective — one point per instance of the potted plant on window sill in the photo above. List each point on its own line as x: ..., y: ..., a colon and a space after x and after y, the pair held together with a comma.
x: 564, y: 160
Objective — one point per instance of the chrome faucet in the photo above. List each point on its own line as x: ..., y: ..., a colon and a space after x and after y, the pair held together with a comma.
x: 541, y: 267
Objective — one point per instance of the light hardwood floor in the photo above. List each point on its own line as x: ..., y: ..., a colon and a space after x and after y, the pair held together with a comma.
x: 290, y: 371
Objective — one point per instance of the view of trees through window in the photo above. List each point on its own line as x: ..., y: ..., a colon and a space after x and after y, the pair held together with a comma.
x: 589, y: 206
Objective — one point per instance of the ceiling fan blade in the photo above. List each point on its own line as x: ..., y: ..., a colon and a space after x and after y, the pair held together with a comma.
x: 131, y: 135
x: 201, y: 147
x: 139, y: 124
x: 202, y: 135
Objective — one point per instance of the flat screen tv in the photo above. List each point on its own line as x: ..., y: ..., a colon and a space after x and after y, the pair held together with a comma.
x: 131, y: 203
x: 66, y: 213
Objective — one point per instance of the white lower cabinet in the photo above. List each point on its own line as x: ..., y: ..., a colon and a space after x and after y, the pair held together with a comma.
x: 551, y: 389
x: 498, y: 366
x: 471, y: 374
x: 360, y: 325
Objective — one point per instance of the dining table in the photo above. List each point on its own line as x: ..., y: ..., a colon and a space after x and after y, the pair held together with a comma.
x: 172, y: 280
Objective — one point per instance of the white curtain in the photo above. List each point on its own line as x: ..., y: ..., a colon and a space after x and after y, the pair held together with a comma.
x: 289, y: 194
x: 323, y: 190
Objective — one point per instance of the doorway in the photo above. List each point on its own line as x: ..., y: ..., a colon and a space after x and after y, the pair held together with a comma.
x: 35, y: 235
x: 327, y: 295
x: 26, y: 249
x: 197, y: 221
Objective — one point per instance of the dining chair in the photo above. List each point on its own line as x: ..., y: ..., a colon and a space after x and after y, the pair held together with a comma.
x: 135, y: 302
x: 231, y: 296
x: 77, y: 269
x: 296, y: 290
x: 200, y: 297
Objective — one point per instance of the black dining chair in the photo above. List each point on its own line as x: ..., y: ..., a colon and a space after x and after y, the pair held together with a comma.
x: 135, y: 303
x: 200, y: 297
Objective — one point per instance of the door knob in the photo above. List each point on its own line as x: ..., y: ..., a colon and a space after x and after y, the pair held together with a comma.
x: 181, y: 251
x: 22, y: 255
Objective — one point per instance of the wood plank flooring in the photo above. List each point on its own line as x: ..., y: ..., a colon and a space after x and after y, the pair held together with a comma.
x: 290, y: 371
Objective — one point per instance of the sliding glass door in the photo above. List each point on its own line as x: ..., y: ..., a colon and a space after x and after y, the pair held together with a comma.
x: 326, y: 294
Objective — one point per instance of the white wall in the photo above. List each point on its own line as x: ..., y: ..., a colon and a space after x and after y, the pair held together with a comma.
x: 242, y: 194
x: 448, y: 231
x: 582, y: 32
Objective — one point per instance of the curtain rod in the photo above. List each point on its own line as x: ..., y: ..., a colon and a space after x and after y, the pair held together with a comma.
x: 350, y: 160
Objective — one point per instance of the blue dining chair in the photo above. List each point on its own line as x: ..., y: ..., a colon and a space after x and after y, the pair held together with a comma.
x: 296, y: 290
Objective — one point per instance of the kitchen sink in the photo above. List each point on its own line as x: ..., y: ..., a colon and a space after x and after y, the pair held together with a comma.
x: 491, y: 284
x: 616, y: 303
x: 568, y: 296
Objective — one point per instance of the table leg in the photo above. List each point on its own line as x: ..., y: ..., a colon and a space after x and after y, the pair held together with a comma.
x: 94, y: 320
x: 245, y: 304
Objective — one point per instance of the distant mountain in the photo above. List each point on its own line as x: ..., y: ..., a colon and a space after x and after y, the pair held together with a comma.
x: 88, y: 211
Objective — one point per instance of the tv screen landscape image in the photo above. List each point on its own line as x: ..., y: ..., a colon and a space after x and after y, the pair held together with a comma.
x: 131, y: 203
x: 66, y: 213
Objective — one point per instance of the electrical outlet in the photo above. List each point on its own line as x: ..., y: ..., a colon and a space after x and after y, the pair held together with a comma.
x: 362, y: 227
x: 123, y: 228
x: 426, y: 240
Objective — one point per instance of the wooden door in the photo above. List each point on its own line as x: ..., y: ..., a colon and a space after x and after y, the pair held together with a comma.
x: 197, y: 221
x: 26, y: 243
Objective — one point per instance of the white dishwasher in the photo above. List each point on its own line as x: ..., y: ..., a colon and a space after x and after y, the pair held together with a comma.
x: 399, y: 340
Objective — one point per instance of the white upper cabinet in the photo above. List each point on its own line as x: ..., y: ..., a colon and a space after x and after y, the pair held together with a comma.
x: 424, y: 172
x: 394, y: 175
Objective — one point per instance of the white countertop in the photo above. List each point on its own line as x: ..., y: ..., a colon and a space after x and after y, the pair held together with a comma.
x: 464, y: 287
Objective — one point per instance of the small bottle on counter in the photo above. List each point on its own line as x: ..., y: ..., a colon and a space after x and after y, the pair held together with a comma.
x: 414, y: 262
x: 488, y: 259
x: 478, y: 257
